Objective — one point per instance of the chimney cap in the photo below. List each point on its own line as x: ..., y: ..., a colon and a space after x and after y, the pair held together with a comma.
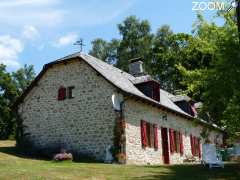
x: 136, y: 67
x: 135, y: 59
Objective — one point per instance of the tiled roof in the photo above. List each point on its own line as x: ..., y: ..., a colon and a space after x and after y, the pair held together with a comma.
x: 126, y: 81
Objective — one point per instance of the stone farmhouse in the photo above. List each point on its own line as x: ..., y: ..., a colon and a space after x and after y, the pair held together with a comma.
x: 85, y: 105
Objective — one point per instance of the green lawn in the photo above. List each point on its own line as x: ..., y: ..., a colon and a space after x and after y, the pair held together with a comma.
x: 13, y: 166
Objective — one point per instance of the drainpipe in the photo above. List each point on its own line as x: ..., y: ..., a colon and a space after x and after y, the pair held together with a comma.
x: 122, y: 133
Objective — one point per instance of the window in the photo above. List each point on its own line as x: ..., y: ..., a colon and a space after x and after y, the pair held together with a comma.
x: 64, y: 93
x: 195, y: 146
x: 70, y: 92
x: 176, y: 141
x: 149, y: 135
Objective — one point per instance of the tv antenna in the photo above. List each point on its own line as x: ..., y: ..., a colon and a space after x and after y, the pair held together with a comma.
x: 80, y: 44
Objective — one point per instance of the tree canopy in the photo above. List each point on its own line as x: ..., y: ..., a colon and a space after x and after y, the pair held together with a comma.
x: 11, y: 86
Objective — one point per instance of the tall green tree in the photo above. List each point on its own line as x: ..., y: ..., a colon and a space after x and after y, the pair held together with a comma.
x: 162, y: 63
x: 171, y: 49
x: 218, y: 83
x: 11, y: 86
x: 106, y: 51
x: 8, y: 94
x: 136, y: 41
x: 23, y: 77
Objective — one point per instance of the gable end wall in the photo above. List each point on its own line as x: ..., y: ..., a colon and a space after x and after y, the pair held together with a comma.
x: 84, y: 124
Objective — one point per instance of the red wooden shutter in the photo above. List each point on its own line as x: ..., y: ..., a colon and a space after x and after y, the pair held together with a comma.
x: 144, y: 133
x: 192, y: 145
x: 172, y: 143
x: 155, y: 126
x: 181, y: 143
x: 61, y: 93
x: 199, y: 149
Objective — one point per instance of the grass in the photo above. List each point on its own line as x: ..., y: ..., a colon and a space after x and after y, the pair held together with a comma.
x: 13, y: 166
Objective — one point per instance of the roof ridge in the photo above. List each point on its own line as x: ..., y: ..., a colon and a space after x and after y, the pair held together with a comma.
x: 110, y: 65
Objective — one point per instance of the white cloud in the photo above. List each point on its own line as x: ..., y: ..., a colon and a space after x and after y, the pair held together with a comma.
x: 30, y: 32
x: 66, y: 40
x: 10, y: 48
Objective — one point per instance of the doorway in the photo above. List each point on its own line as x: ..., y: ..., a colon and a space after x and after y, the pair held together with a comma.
x: 165, y: 149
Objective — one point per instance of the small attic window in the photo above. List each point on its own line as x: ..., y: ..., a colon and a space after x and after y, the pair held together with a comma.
x: 61, y: 93
x: 150, y: 89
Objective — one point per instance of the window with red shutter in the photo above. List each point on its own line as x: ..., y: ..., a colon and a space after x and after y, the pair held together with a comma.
x: 195, y: 146
x: 149, y: 135
x: 176, y: 141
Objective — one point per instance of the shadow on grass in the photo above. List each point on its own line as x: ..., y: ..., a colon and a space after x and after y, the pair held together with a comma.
x: 14, y: 151
x: 196, y: 172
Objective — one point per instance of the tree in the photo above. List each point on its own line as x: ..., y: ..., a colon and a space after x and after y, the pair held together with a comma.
x: 23, y: 77
x: 218, y: 83
x: 163, y: 61
x: 170, y: 50
x: 136, y: 41
x: 11, y: 87
x: 106, y: 51
x: 8, y: 94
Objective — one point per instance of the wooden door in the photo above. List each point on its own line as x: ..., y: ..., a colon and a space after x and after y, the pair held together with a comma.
x: 165, y: 149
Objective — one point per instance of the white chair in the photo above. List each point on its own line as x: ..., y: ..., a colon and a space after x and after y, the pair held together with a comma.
x: 236, y: 149
x: 210, y: 156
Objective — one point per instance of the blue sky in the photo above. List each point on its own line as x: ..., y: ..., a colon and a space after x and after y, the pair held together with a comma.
x: 39, y: 31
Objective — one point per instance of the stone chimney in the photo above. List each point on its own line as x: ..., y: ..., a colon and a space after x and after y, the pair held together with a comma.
x: 136, y: 67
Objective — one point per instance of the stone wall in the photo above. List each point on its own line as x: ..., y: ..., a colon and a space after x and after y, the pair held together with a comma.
x: 84, y: 124
x: 135, y: 111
